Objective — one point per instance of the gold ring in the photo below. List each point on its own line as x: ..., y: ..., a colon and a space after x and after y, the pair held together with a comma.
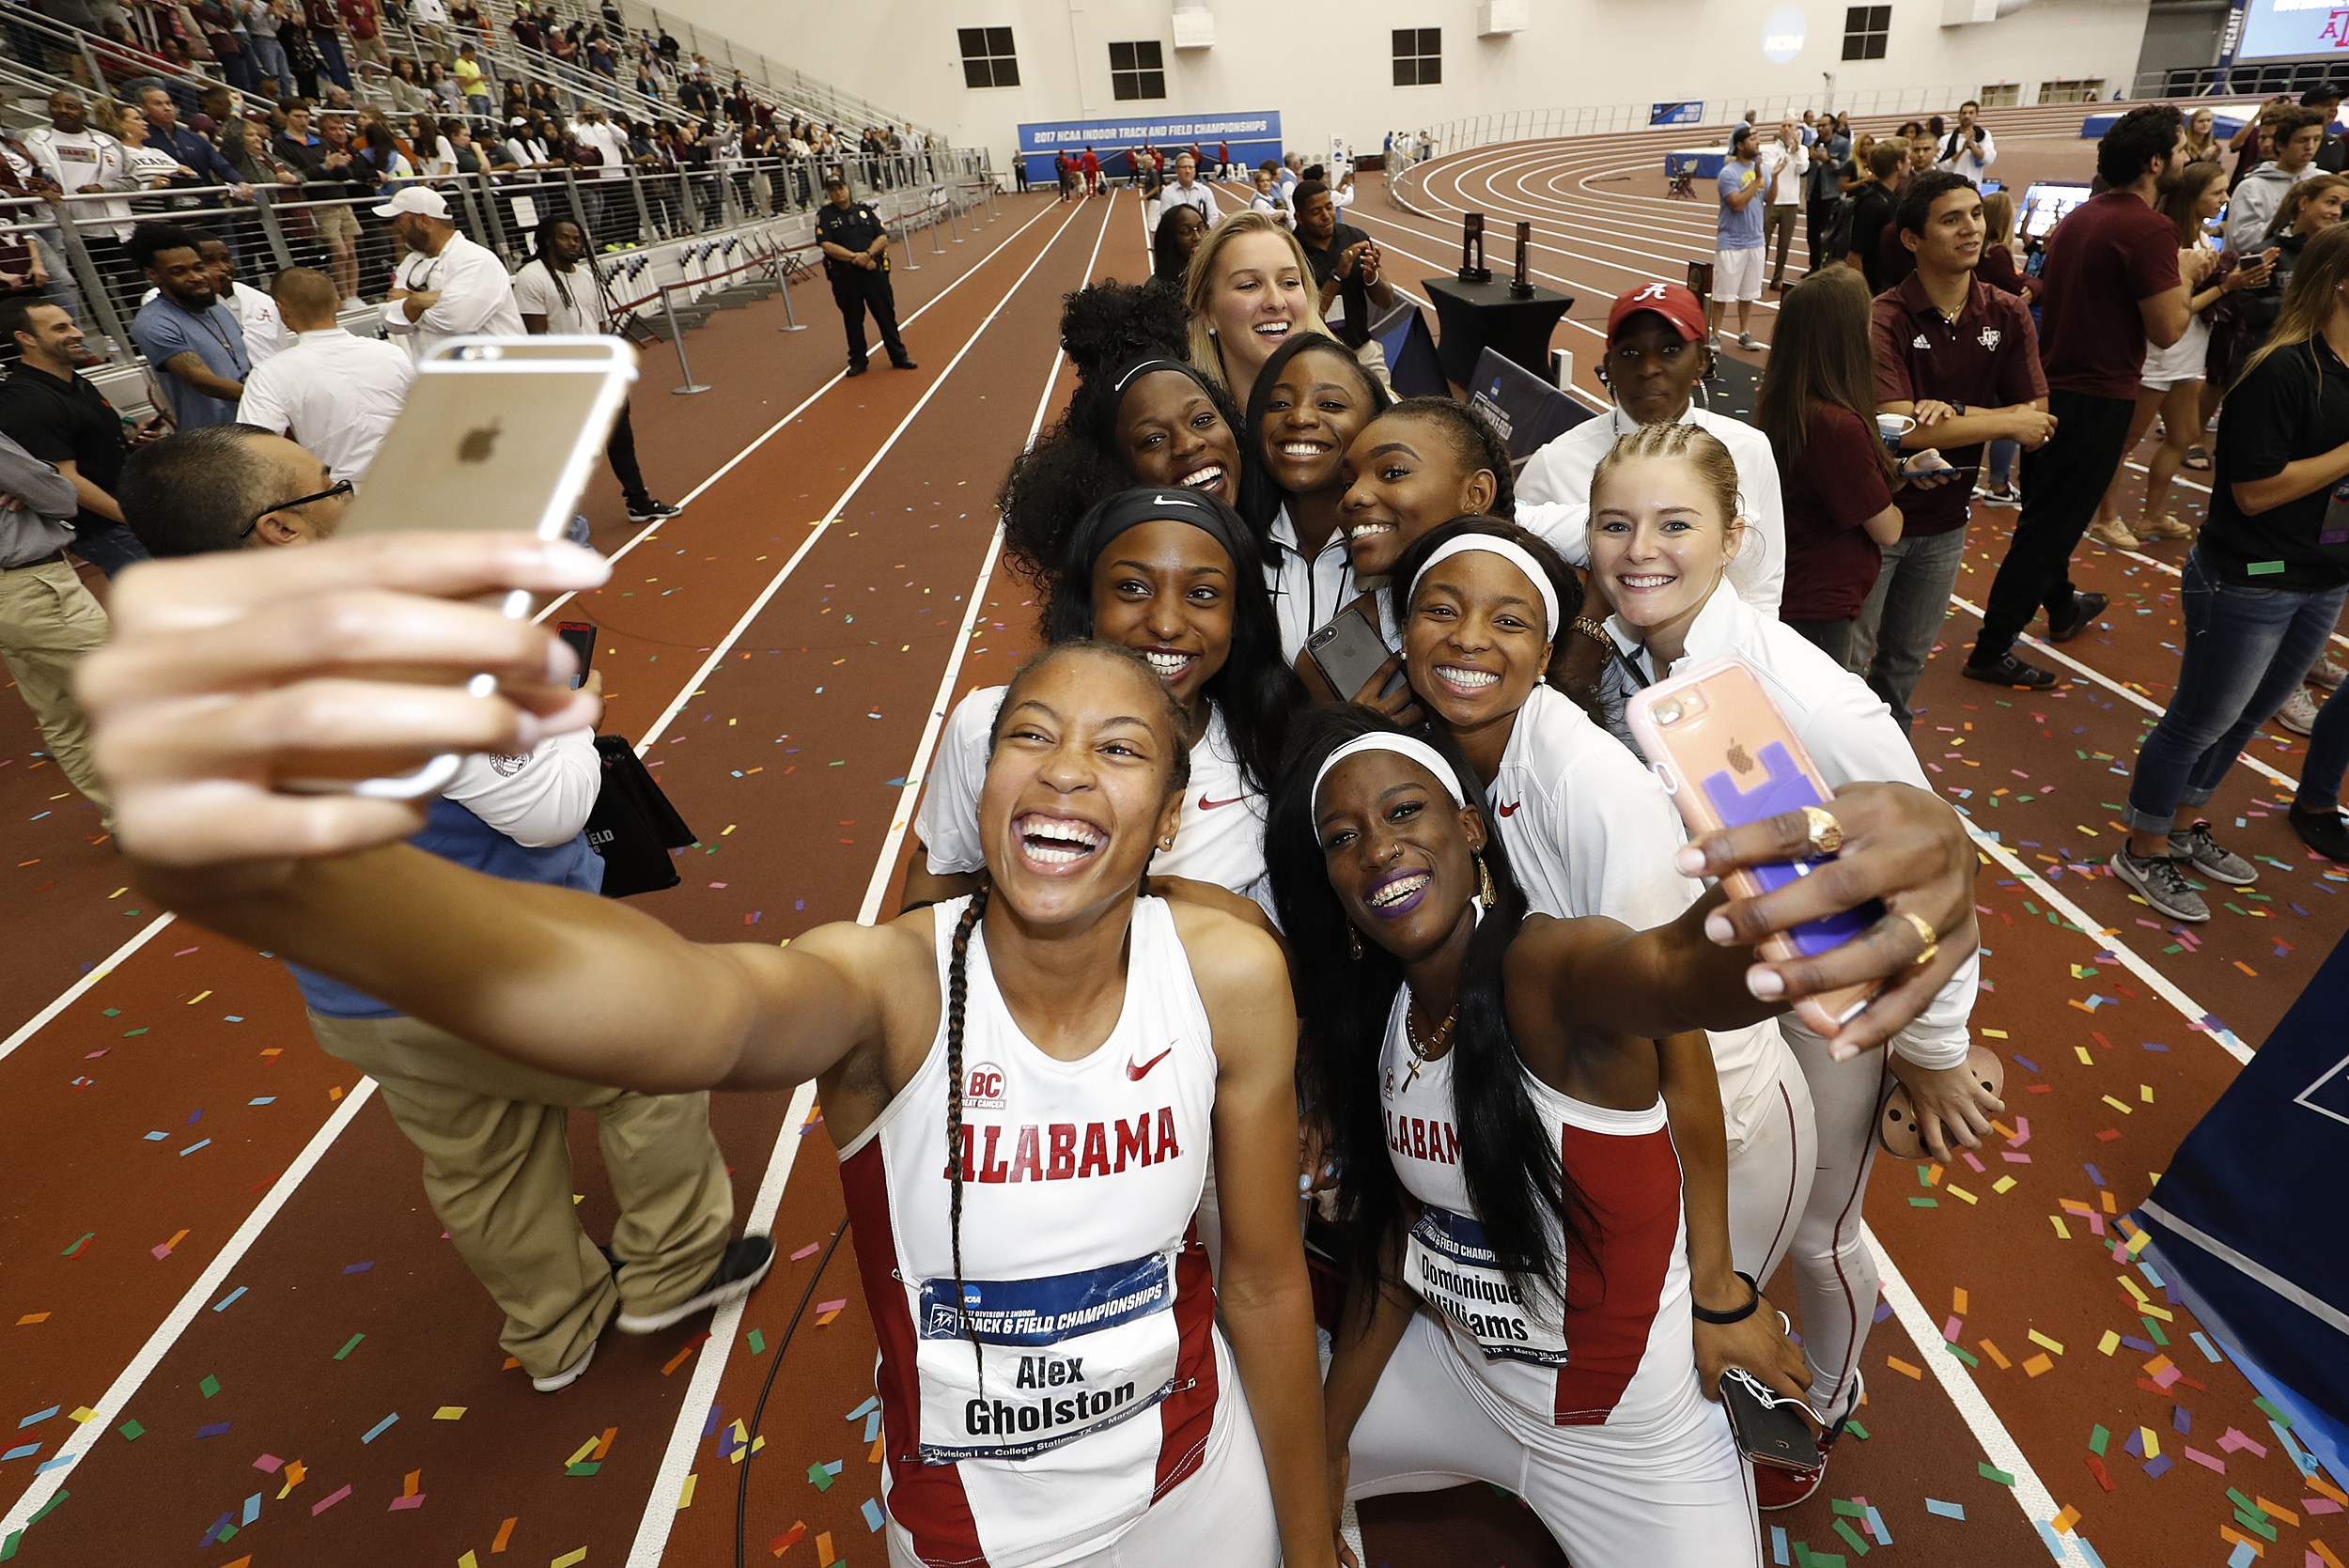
x: 1826, y: 834
x: 1926, y: 934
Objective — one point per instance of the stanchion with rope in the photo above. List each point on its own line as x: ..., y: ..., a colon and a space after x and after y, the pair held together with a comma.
x: 905, y: 232
x: 936, y: 249
x: 676, y: 335
x: 782, y: 278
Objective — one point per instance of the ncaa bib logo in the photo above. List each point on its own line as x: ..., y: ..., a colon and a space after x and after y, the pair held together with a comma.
x: 984, y: 1086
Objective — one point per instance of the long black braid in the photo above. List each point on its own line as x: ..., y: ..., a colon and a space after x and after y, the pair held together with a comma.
x: 958, y: 970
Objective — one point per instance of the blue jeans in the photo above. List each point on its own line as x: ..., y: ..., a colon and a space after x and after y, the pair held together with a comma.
x: 269, y: 66
x: 2245, y: 651
x: 109, y: 547
x: 1903, y: 617
x: 1999, y: 463
x: 2329, y: 758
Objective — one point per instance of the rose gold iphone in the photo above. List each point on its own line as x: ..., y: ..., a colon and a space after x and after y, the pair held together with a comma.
x: 1728, y: 757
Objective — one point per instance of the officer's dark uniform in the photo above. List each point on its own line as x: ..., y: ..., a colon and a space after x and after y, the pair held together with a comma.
x: 855, y: 289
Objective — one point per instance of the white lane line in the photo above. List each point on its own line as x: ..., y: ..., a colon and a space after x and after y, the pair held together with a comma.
x: 2031, y: 1493
x: 769, y: 434
x: 2049, y: 650
x: 73, y: 993
x: 831, y: 513
x: 679, y: 1458
x: 110, y: 1404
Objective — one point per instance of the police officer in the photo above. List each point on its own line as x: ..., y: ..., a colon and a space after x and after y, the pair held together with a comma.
x: 856, y: 259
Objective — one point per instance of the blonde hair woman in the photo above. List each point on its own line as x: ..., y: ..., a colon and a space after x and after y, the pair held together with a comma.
x: 1249, y: 290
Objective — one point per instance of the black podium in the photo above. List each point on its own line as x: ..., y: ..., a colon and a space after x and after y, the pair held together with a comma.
x: 1479, y: 315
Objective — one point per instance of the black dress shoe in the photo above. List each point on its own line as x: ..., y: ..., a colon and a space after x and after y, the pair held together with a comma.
x: 2323, y: 832
x: 2007, y: 669
x: 2085, y: 608
x: 903, y: 365
x: 859, y: 369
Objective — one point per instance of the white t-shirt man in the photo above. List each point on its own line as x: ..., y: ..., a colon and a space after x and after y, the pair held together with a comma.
x: 1554, y: 497
x: 333, y: 392
x: 569, y: 301
x: 88, y: 158
x: 605, y: 138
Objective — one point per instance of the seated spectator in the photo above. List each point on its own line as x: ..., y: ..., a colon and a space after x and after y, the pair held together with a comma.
x: 1656, y: 358
x: 195, y: 342
x: 339, y: 391
x: 244, y: 147
x: 58, y: 416
x: 1268, y: 201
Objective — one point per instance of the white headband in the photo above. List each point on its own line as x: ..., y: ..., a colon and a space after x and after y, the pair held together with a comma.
x: 1508, y: 551
x: 1401, y: 745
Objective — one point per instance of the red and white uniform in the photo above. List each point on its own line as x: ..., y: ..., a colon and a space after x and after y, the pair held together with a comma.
x: 1105, y: 1385
x: 1588, y: 1408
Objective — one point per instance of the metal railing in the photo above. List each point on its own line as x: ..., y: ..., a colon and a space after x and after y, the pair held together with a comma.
x: 678, y: 226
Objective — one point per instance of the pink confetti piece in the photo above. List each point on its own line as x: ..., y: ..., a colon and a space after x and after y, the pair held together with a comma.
x: 832, y: 1306
x: 2320, y: 1505
x: 413, y: 1500
x: 1951, y: 1329
x: 2236, y: 1439
x: 328, y: 1502
x: 2205, y: 1460
x: 807, y: 1251
x: 268, y: 1464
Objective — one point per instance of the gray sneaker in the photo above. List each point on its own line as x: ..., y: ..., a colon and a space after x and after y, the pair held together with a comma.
x: 2162, y: 882
x: 1747, y: 340
x: 2195, y: 847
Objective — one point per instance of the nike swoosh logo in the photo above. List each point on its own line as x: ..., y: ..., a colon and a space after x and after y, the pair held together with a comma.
x: 1138, y: 1074
x: 1511, y: 809
x: 1206, y: 805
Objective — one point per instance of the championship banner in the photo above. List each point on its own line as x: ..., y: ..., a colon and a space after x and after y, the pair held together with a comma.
x: 1676, y: 114
x: 1253, y: 138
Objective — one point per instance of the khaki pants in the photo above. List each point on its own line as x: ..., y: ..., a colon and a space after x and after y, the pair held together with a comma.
x: 497, y: 1169
x: 48, y: 621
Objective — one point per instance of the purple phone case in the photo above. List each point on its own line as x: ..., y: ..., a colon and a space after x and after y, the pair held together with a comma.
x: 1783, y: 787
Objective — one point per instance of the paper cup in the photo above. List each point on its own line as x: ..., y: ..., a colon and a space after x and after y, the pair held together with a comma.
x: 1890, y: 427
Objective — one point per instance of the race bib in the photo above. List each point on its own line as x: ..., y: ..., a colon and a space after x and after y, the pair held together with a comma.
x: 1447, y: 1261
x: 1057, y: 1358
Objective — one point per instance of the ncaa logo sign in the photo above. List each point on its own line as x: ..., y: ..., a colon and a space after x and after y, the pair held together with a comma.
x: 984, y: 1086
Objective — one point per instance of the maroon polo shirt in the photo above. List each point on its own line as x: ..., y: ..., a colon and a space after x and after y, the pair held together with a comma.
x: 1836, y: 485
x: 1988, y: 358
x: 2109, y: 254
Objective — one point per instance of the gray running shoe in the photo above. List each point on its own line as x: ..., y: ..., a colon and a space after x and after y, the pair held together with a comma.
x: 2162, y: 883
x: 2195, y: 847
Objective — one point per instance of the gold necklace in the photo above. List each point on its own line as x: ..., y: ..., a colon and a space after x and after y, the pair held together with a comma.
x: 1420, y: 1053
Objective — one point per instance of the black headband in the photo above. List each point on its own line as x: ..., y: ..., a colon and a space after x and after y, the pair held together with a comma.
x: 1127, y: 509
x: 1123, y: 381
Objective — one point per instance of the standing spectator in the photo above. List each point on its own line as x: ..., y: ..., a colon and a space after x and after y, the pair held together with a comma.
x: 1738, y: 245
x: 2326, y: 99
x: 335, y: 392
x: 555, y: 294
x: 1785, y: 163
x: 186, y: 334
x: 325, y: 29
x: 49, y: 621
x: 263, y: 22
x: 1093, y: 171
x: 2112, y: 285
x: 82, y: 162
x: 1962, y: 359
x: 470, y: 83
x: 224, y: 35
x: 1967, y: 149
x: 497, y: 1165
x: 264, y: 329
x: 1830, y: 144
x: 333, y: 174
x: 61, y: 418
x: 1873, y: 205
x: 1267, y: 200
x: 596, y: 133
x: 2299, y: 134
x: 1818, y: 406
x: 1347, y: 266
x: 856, y: 259
x: 2263, y: 587
x: 365, y: 25
x: 446, y: 286
x: 2171, y: 385
x: 1187, y: 191
x: 429, y: 20
x: 2202, y: 147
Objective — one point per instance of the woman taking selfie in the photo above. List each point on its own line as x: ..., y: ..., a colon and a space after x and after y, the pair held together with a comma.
x: 1590, y: 831
x: 1664, y: 529
x: 1172, y: 575
x: 1493, y: 1082
x: 1058, y: 978
x: 1312, y: 399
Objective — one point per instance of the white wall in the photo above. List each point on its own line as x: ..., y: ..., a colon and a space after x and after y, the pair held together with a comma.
x: 902, y: 54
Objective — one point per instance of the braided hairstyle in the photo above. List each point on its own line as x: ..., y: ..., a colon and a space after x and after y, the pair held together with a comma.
x: 1474, y: 442
x: 958, y: 955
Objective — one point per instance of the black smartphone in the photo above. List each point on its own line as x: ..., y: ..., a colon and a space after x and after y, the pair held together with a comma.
x: 1769, y: 1427
x: 581, y: 635
x: 1349, y: 652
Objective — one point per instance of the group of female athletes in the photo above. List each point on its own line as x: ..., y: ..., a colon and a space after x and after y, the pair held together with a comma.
x: 1181, y: 945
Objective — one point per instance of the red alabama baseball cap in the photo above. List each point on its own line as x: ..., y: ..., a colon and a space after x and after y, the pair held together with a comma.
x: 1672, y: 300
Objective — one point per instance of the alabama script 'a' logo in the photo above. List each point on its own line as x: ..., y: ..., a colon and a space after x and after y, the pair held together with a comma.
x: 1651, y: 291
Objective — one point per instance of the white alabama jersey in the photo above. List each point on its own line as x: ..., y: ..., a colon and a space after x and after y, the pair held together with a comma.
x: 1219, y: 840
x: 1618, y: 1350
x: 1590, y: 831
x: 1094, y: 1384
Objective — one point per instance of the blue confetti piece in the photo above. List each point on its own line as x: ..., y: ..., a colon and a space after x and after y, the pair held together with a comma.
x: 265, y: 1099
x: 2049, y: 1538
x: 2151, y: 1046
x: 2135, y: 1444
x: 2088, y: 1551
x: 19, y: 1452
x: 873, y: 1427
x: 357, y: 1267
x: 157, y: 1136
x: 836, y: 1466
x: 2026, y: 1064
x: 232, y: 1018
x: 2242, y: 1557
x: 39, y: 1416
x: 1777, y: 1547
x: 872, y: 1514
x: 252, y: 1509
x: 2180, y: 1419
x: 2210, y: 1351
x: 200, y: 1143
x: 1875, y: 1523
x: 863, y: 1410
x: 2159, y: 1467
x: 1944, y: 1510
x: 58, y: 1463
x: 196, y: 1116
x: 228, y: 1301
x: 379, y: 1428
x: 213, y: 1431
x: 224, y: 1522
x: 710, y: 1427
x: 2095, y: 1175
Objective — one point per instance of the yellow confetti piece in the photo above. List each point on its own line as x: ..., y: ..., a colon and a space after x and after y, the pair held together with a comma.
x: 469, y: 1561
x: 84, y: 1414
x: 583, y: 1450
x: 2038, y: 1364
x: 2061, y: 1231
x: 2122, y: 1106
x: 2130, y: 1285
x: 729, y: 828
x: 685, y: 1493
x: 1994, y: 1034
x: 569, y: 1559
x: 2002, y: 1184
x: 2044, y: 1342
x: 2111, y: 1342
x: 2145, y: 1093
x: 2086, y: 1059
x: 201, y: 995
x: 2152, y: 1442
x: 2137, y: 1245
x: 449, y: 1413
x: 1957, y: 1192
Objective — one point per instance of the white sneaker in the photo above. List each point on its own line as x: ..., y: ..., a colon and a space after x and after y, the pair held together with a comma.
x: 2298, y: 714
x: 568, y: 1376
x: 2327, y: 674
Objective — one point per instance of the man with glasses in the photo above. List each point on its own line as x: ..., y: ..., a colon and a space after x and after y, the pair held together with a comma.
x: 61, y: 417
x: 494, y: 1135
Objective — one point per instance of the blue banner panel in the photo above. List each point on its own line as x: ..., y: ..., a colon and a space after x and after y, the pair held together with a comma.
x: 1253, y: 138
x: 2274, y: 29
x: 1676, y: 114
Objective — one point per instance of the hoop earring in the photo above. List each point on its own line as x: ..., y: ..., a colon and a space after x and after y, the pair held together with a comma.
x: 1485, y: 893
x: 1353, y: 944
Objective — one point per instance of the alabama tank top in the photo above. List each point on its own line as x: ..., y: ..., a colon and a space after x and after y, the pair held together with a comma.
x: 1617, y: 1350
x: 1091, y: 1387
